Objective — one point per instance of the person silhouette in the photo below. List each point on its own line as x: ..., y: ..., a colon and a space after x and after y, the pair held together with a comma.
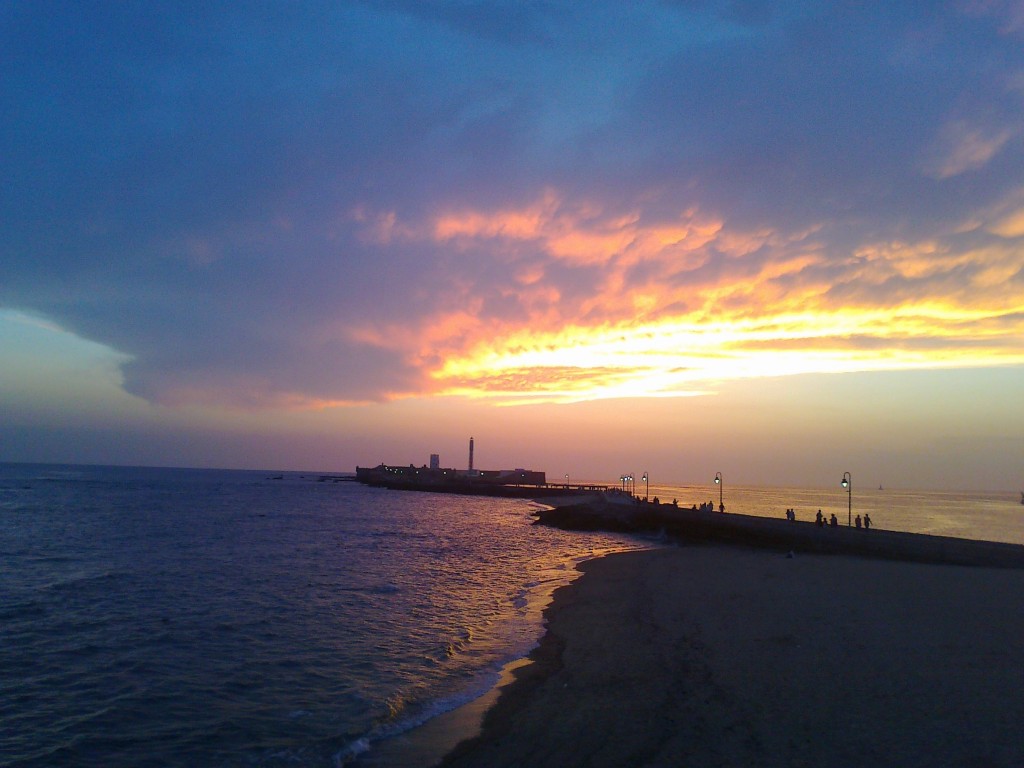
x: 856, y: 521
x: 867, y: 520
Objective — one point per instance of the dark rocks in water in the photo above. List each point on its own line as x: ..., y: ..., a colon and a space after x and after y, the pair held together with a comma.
x: 587, y: 517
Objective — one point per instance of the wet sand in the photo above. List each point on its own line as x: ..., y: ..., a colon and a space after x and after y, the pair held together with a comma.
x: 725, y: 656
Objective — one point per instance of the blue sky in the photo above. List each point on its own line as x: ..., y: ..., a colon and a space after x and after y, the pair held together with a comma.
x: 320, y: 235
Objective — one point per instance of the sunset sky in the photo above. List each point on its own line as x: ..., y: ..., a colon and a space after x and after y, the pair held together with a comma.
x: 777, y: 240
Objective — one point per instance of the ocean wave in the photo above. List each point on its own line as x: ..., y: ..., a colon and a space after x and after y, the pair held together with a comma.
x: 459, y: 643
x: 168, y: 592
x: 405, y: 716
x: 76, y: 581
x: 20, y: 610
x: 347, y: 754
x: 367, y: 589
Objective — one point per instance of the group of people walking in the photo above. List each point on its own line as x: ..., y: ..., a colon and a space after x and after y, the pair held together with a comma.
x: 708, y: 507
x: 832, y: 522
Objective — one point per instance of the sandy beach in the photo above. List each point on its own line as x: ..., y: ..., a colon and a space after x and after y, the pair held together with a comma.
x: 726, y: 656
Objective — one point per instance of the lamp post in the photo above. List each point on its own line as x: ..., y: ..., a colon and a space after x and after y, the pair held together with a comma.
x: 647, y: 487
x: 721, y: 487
x: 847, y: 483
x: 567, y: 480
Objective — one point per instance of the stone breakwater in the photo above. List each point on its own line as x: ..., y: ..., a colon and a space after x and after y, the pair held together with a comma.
x: 689, y: 525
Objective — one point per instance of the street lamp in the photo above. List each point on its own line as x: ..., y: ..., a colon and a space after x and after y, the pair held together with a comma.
x: 647, y: 486
x: 847, y: 483
x: 567, y: 480
x: 721, y: 487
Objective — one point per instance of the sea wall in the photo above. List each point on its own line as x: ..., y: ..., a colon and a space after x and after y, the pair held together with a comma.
x: 797, y: 536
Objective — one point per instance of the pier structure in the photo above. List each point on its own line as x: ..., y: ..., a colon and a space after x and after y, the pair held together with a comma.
x: 705, y: 525
x: 518, y: 483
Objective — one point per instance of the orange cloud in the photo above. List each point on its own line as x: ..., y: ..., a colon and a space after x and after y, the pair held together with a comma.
x: 519, y: 224
x: 581, y: 233
x: 670, y: 308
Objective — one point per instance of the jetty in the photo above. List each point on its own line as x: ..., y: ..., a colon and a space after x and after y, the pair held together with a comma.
x: 624, y: 513
x: 516, y: 483
x: 508, y: 483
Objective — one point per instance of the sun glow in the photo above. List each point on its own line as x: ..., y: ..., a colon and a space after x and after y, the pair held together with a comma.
x: 679, y: 358
x: 601, y: 303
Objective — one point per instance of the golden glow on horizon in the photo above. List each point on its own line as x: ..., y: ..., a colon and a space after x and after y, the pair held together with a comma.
x: 677, y: 358
x: 667, y: 309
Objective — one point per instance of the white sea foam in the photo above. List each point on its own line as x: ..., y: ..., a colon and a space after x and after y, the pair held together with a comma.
x: 482, y: 684
x: 351, y: 751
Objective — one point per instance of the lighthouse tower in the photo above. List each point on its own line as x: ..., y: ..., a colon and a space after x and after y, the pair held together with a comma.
x: 471, y: 454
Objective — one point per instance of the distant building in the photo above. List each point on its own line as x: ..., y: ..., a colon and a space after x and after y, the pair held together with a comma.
x: 435, y: 461
x: 421, y: 477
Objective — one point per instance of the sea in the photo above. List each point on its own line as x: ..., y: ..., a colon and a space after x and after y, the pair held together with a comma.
x: 196, y: 617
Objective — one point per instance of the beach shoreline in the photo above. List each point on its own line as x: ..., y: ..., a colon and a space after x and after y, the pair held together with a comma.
x: 723, y: 655
x: 429, y: 741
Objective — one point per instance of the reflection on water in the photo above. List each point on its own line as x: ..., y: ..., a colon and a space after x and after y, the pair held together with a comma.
x: 222, y: 618
x: 227, y: 618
